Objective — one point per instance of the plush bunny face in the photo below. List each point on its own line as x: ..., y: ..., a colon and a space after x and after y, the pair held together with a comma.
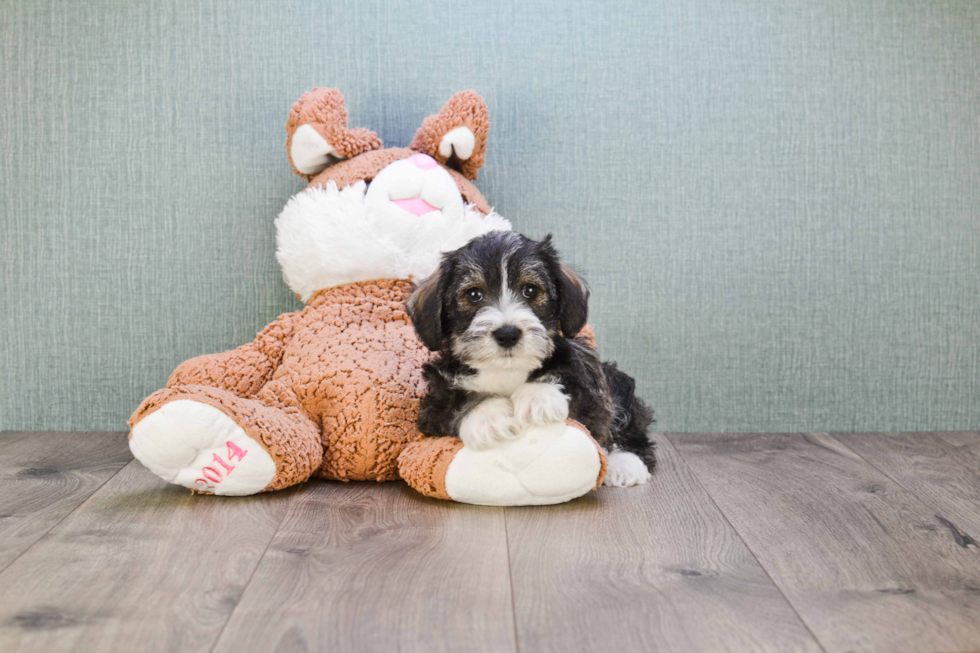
x: 322, y: 148
x: 416, y: 185
x: 371, y: 213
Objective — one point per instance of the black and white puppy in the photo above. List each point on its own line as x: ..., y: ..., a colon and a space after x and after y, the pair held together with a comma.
x: 504, y: 312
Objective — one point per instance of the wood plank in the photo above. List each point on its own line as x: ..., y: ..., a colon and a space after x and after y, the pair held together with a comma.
x: 46, y: 475
x: 650, y: 568
x: 942, y: 470
x: 968, y: 440
x: 141, y: 565
x: 368, y: 567
x: 866, y: 565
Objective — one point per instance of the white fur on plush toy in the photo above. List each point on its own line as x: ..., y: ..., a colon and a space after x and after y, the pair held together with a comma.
x: 327, y: 238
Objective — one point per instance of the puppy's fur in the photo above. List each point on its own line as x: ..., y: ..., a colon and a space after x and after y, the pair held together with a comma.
x: 504, y: 312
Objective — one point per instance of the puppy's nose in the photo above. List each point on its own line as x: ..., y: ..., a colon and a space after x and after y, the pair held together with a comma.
x: 507, y: 336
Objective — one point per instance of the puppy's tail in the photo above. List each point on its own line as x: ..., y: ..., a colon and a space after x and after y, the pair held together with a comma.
x: 631, y: 416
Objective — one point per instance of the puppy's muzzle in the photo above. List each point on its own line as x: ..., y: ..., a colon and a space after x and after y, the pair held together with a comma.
x: 507, y: 336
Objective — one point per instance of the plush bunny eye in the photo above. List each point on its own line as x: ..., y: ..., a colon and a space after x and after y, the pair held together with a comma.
x: 474, y: 295
x: 530, y: 291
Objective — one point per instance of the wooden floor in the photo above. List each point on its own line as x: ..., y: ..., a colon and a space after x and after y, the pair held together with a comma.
x: 802, y: 542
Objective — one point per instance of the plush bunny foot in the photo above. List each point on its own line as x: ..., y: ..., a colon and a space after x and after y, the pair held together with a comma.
x: 547, y: 464
x: 214, y: 442
x: 198, y: 446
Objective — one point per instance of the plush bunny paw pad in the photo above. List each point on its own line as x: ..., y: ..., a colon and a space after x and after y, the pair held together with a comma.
x: 548, y: 464
x: 198, y: 446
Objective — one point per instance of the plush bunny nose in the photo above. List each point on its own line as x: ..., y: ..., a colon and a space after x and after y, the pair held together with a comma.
x: 423, y: 161
x: 507, y: 336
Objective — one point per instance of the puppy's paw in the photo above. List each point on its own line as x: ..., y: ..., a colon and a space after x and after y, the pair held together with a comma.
x: 489, y: 424
x: 539, y: 403
x: 625, y: 469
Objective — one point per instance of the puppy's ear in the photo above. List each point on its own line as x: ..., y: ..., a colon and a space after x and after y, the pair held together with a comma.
x: 425, y: 309
x: 573, y: 301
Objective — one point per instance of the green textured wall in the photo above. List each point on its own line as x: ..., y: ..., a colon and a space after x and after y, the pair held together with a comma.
x: 777, y: 204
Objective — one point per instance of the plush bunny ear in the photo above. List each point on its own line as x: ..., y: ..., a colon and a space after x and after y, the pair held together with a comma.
x: 317, y: 133
x: 457, y: 136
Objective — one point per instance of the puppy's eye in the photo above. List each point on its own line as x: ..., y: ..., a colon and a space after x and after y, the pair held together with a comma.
x: 530, y: 291
x: 474, y: 295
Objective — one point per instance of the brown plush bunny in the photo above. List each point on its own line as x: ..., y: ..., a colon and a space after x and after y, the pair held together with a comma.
x: 332, y: 390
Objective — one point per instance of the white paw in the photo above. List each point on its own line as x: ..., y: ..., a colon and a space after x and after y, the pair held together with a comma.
x: 624, y: 469
x: 310, y: 153
x: 490, y: 423
x: 539, y: 403
x: 461, y: 140
x: 198, y: 446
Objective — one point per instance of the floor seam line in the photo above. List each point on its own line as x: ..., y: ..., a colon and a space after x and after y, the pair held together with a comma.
x: 933, y: 509
x: 70, y: 513
x: 748, y: 548
x: 510, y: 579
x: 258, y: 564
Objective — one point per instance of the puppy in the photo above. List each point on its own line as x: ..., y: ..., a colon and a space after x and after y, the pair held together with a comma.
x: 504, y: 314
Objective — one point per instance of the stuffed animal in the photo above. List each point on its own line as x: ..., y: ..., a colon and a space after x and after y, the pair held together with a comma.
x: 332, y: 390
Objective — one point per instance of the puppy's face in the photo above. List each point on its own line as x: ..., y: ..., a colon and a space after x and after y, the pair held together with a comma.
x: 500, y: 300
